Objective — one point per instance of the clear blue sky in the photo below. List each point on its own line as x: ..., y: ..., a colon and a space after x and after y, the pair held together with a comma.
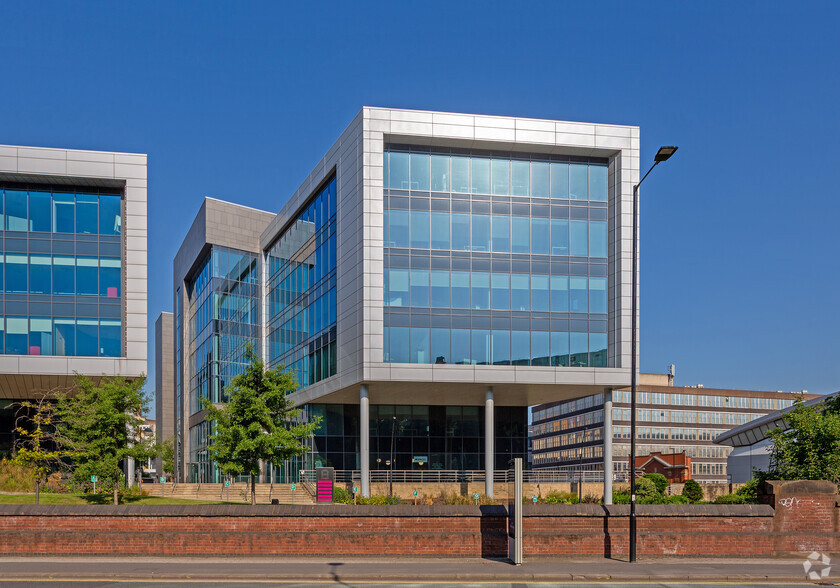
x: 739, y: 270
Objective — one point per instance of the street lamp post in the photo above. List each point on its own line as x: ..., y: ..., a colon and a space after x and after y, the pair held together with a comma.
x: 662, y: 155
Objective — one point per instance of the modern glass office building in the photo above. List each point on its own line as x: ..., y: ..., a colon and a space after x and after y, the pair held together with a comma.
x: 444, y: 271
x: 72, y: 269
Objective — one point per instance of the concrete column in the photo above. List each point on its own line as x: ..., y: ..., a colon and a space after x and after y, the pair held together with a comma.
x: 364, y: 439
x: 608, y: 443
x: 489, y: 438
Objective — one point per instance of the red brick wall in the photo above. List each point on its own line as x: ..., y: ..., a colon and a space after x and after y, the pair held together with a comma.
x: 808, y: 523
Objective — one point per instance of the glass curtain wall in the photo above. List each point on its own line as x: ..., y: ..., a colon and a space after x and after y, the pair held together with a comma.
x: 61, y: 271
x: 302, y: 291
x: 495, y: 258
x: 224, y: 299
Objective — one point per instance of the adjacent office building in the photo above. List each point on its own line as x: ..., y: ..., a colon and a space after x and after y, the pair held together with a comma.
x: 72, y: 270
x: 670, y: 419
x: 433, y: 276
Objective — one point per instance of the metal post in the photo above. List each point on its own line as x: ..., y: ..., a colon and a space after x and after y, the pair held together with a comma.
x: 391, y: 470
x: 489, y: 443
x: 364, y: 436
x: 608, y: 438
x: 633, y: 343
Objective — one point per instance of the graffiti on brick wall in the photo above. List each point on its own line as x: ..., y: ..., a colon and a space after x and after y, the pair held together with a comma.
x: 789, y: 502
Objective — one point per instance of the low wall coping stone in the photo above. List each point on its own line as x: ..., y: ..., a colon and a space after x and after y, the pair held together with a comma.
x: 340, y: 510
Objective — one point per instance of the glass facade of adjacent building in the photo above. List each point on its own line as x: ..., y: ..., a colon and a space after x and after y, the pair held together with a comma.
x: 61, y: 270
x: 446, y: 437
x: 495, y: 258
x: 301, y: 291
x: 224, y: 302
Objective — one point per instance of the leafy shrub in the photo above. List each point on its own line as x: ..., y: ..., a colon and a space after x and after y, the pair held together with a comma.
x: 675, y: 499
x: 592, y: 499
x: 732, y: 499
x: 621, y: 497
x: 693, y: 491
x: 379, y: 499
x: 645, y: 489
x: 660, y: 481
x: 557, y: 497
x: 750, y: 489
x: 15, y: 477
x: 454, y: 498
x: 342, y: 496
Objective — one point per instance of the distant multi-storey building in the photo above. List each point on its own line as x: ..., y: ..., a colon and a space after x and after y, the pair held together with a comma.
x: 670, y: 419
x: 72, y: 271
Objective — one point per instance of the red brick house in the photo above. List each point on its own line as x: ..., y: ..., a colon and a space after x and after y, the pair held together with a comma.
x: 674, y: 466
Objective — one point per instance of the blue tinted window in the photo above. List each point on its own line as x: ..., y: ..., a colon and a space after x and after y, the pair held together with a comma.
x: 597, y: 239
x: 598, y: 183
x: 398, y: 170
x: 440, y: 173
x: 87, y: 214
x: 419, y: 287
x: 540, y: 179
x: 64, y: 274
x: 16, y: 215
x: 460, y: 232
x: 500, y: 291
x: 578, y: 181
x: 598, y: 349
x: 519, y: 292
x: 480, y: 232
x: 87, y: 277
x: 461, y: 346
x: 16, y: 273
x: 398, y: 230
x: 579, y: 350
x: 520, y: 177
x: 440, y: 230
x: 40, y: 269
x: 559, y: 348
x: 440, y: 289
x: 559, y: 293
x: 539, y: 293
x: 64, y: 215
x: 520, y: 229
x: 501, y: 234
x: 397, y: 287
x: 40, y: 204
x: 578, y: 238
x: 598, y: 295
x: 17, y: 335
x: 501, y: 347
x: 460, y: 174
x: 419, y: 171
x: 109, y: 338
x: 64, y: 336
x: 40, y: 336
x: 540, y: 236
x: 520, y: 347
x: 481, y: 290
x: 501, y: 177
x: 420, y: 345
x: 539, y: 348
x: 400, y: 349
x: 419, y: 229
x: 481, y: 347
x: 578, y: 294
x: 460, y: 289
x: 560, y: 180
x: 110, y: 215
x: 480, y: 176
x: 559, y: 236
x: 87, y: 337
x: 440, y: 346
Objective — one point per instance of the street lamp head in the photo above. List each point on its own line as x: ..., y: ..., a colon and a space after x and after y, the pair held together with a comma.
x: 664, y: 153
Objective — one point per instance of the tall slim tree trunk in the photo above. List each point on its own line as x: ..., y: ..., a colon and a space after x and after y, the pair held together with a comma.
x: 253, y: 490
x: 37, y: 490
x: 116, y: 495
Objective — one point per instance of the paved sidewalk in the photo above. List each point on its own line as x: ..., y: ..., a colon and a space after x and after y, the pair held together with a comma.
x: 337, y: 569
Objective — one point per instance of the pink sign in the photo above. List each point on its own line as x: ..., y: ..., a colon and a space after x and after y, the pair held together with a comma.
x: 112, y: 292
x: 35, y: 350
x: 325, y: 491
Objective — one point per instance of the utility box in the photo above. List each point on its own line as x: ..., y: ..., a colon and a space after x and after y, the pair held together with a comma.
x: 325, y: 484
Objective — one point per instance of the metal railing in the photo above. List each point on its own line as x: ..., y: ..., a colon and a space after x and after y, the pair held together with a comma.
x: 458, y: 476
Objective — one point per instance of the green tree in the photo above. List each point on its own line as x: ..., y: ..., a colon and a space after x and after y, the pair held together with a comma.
x: 660, y: 481
x: 37, y: 445
x: 810, y: 448
x: 693, y: 491
x: 100, y: 423
x: 165, y: 452
x: 258, y: 423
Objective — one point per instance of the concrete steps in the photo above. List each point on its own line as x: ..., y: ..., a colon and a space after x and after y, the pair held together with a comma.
x: 237, y: 492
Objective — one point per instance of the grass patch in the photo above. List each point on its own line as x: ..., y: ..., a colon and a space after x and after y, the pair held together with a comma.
x: 100, y: 499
